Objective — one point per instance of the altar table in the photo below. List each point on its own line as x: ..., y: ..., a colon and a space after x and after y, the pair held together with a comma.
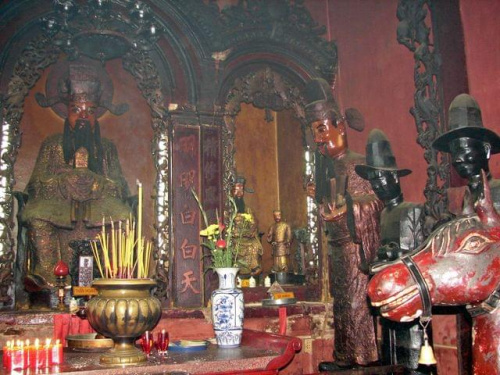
x: 259, y: 353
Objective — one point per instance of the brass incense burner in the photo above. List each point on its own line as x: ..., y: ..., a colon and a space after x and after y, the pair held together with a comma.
x: 123, y: 310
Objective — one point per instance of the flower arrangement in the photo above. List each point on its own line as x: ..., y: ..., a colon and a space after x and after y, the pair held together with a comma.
x: 124, y: 253
x: 224, y: 241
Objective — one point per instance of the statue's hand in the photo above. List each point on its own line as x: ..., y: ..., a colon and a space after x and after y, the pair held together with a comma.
x: 389, y: 252
x: 335, y: 212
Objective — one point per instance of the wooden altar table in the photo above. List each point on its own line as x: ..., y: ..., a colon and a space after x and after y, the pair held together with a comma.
x: 259, y: 353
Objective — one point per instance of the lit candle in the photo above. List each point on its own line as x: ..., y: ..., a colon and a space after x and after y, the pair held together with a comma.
x: 7, y: 353
x: 57, y: 353
x: 27, y: 354
x: 17, y: 356
x: 38, y: 357
x: 47, y: 352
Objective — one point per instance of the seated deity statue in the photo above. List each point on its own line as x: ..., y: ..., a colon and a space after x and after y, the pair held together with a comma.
x: 246, y: 233
x: 76, y: 185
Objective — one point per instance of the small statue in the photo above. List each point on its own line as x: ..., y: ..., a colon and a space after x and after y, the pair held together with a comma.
x: 246, y: 232
x: 77, y: 182
x: 470, y: 145
x: 401, y: 232
x: 350, y: 212
x: 280, y: 237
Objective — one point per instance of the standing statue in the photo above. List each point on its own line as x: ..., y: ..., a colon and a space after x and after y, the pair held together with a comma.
x: 279, y: 235
x: 351, y: 213
x: 246, y: 232
x: 470, y: 146
x: 401, y: 232
x: 77, y: 182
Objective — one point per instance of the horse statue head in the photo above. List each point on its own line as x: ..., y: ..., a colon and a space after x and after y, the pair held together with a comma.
x: 459, y: 264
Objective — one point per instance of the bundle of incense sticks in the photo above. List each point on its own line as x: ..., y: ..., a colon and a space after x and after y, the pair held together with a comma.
x: 123, y: 253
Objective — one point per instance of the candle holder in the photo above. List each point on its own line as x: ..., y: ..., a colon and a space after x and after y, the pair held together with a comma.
x: 61, y: 270
x: 147, y: 342
x: 162, y: 341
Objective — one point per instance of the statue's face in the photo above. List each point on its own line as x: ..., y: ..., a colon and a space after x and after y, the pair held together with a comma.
x: 277, y: 216
x: 469, y: 156
x: 385, y: 184
x: 81, y: 114
x: 238, y: 190
x: 329, y: 137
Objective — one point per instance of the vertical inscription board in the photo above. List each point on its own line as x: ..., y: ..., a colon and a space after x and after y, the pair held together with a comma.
x: 187, y: 272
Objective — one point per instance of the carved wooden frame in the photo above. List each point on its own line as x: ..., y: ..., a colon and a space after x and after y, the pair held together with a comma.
x: 36, y: 56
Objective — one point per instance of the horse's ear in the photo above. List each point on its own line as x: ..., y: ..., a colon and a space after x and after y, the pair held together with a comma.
x: 484, y: 205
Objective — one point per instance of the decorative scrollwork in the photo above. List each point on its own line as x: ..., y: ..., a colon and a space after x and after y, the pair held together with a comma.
x: 414, y: 33
x: 142, y: 67
x: 249, y: 22
x: 37, y: 55
x: 264, y: 89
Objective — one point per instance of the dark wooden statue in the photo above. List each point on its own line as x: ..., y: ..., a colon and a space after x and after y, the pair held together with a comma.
x: 350, y: 211
x: 459, y: 264
x: 77, y: 182
x: 401, y: 232
x: 470, y: 145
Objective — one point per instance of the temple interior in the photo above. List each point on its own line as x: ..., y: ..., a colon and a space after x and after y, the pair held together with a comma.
x: 197, y: 94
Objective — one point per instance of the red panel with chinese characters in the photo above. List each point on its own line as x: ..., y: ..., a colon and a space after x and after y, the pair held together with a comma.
x: 187, y: 270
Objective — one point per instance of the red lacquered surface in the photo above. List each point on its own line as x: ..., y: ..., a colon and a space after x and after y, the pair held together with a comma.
x: 259, y: 353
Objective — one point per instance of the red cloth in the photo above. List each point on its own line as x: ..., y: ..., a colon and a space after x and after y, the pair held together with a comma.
x: 67, y: 324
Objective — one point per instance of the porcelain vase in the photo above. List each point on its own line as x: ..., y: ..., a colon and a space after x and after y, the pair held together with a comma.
x: 227, y: 309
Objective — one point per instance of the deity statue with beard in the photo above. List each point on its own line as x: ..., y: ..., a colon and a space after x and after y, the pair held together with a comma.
x: 246, y: 232
x: 77, y: 182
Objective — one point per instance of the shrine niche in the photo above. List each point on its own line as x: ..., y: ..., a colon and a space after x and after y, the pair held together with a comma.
x: 264, y: 113
x: 173, y: 60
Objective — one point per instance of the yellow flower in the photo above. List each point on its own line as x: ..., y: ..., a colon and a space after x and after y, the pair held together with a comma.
x: 248, y: 217
x: 211, y: 231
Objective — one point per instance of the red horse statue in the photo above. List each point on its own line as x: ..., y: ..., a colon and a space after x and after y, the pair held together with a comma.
x: 459, y: 264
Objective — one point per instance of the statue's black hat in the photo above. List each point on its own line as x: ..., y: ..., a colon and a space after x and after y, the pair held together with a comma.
x: 242, y: 180
x: 82, y: 81
x: 320, y: 105
x: 379, y: 156
x: 319, y: 101
x: 465, y: 121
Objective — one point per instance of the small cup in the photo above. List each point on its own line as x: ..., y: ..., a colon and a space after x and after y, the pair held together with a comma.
x: 162, y: 341
x: 147, y: 342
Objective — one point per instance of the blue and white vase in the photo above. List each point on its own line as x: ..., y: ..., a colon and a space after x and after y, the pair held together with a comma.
x: 227, y: 309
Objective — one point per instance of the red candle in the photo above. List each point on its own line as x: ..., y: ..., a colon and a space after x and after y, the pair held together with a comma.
x: 27, y: 354
x: 17, y: 356
x: 47, y: 351
x: 7, y: 353
x: 38, y: 355
x: 57, y: 353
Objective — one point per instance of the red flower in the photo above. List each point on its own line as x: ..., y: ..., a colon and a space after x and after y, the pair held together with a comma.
x: 221, y: 227
x: 221, y: 244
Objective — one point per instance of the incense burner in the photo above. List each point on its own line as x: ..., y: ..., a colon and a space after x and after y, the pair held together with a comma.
x: 123, y: 310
